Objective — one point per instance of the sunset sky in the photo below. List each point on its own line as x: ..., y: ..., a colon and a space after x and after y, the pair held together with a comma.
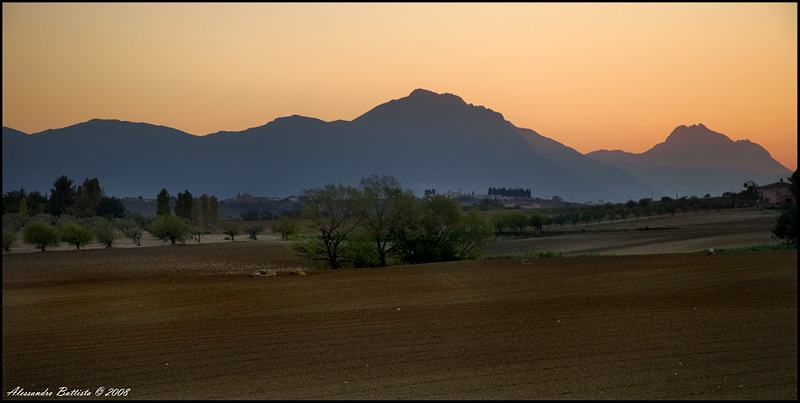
x: 591, y: 76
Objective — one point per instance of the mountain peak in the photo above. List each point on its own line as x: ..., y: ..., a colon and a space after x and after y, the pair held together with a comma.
x: 696, y: 136
x: 419, y: 94
x: 423, y: 104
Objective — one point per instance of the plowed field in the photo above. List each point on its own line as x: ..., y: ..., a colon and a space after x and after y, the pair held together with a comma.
x: 194, y: 322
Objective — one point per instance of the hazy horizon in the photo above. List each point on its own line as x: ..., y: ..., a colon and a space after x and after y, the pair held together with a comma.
x: 590, y: 76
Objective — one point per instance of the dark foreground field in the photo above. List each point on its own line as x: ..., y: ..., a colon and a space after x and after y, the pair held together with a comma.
x: 192, y: 322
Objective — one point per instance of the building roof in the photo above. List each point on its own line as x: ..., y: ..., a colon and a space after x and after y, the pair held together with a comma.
x: 776, y: 185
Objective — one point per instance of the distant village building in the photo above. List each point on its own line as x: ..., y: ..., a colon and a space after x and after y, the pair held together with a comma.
x: 521, y: 204
x: 248, y: 198
x: 452, y: 195
x: 775, y: 194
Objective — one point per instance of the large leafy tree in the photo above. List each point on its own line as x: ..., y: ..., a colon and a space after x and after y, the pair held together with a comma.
x: 406, y: 227
x: 437, y: 229
x: 375, y: 207
x: 428, y: 231
x: 62, y: 196
x: 330, y: 214
x: 472, y: 235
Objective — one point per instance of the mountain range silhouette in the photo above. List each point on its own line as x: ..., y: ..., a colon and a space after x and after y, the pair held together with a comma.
x: 426, y: 140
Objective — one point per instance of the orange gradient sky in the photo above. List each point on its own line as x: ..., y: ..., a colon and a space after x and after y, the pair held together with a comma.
x: 591, y: 76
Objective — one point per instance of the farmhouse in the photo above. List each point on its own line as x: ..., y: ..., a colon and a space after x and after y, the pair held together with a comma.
x: 775, y: 194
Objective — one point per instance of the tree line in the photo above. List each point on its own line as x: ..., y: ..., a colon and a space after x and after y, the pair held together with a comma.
x: 79, y: 215
x: 515, y: 220
x: 87, y: 200
x: 375, y: 224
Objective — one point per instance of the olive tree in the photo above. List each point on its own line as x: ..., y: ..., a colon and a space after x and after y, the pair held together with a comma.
x: 40, y: 233
x: 231, y: 229
x: 74, y: 233
x: 104, y: 232
x: 130, y: 228
x: 287, y: 226
x: 171, y: 227
x: 254, y: 230
x: 537, y: 221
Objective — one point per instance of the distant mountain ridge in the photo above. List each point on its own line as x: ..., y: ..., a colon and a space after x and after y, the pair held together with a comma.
x: 695, y: 160
x: 426, y: 140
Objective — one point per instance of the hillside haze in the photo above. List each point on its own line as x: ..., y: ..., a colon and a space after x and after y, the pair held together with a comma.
x: 426, y: 140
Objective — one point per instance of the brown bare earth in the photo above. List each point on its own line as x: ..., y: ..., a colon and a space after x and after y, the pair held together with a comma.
x: 246, y: 319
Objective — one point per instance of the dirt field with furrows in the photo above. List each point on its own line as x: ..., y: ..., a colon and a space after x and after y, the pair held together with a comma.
x: 248, y: 320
